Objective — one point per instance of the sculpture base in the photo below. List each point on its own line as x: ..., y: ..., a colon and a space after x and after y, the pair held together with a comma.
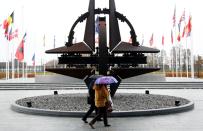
x: 125, y: 105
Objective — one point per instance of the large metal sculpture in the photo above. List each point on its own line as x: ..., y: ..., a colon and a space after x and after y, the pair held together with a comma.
x: 117, y: 58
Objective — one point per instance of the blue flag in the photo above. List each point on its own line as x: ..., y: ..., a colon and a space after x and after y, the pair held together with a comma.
x: 33, y: 59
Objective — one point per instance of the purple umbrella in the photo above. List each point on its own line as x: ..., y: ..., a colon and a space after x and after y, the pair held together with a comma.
x: 106, y: 80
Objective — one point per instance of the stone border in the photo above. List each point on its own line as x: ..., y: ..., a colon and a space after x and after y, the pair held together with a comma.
x: 161, y: 111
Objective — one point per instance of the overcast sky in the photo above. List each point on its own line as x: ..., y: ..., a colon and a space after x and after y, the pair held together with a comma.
x: 55, y: 17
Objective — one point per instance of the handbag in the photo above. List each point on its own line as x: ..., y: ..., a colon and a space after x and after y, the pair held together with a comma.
x: 109, y: 106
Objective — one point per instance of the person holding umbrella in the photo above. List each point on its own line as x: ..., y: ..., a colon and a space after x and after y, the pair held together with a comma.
x: 101, y: 97
x: 91, y: 102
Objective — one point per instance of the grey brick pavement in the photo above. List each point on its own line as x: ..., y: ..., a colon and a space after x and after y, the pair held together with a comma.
x: 187, y: 121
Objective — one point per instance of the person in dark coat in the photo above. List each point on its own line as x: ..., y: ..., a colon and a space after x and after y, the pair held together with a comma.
x: 101, y: 97
x: 91, y: 102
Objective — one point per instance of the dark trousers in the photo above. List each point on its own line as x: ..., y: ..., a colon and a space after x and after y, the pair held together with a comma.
x: 102, y: 111
x: 89, y: 112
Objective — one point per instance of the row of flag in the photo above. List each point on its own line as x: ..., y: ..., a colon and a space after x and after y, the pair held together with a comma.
x: 11, y: 33
x: 186, y: 31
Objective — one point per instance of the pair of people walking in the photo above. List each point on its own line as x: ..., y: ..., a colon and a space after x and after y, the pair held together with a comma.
x: 101, y: 100
x: 99, y: 95
x: 91, y: 101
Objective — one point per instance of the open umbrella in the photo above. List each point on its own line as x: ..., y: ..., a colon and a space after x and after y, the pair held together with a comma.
x: 106, y: 80
x: 89, y: 81
x: 94, y: 77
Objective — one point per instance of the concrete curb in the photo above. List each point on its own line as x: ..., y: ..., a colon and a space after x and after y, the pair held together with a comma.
x: 161, y: 111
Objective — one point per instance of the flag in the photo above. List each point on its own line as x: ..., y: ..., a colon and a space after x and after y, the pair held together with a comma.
x: 9, y: 35
x: 151, y: 41
x: 20, y: 50
x: 174, y: 17
x: 5, y: 27
x: 171, y: 36
x: 182, y: 18
x: 15, y: 34
x: 162, y: 41
x: 11, y: 18
x: 183, y: 33
x: 7, y: 23
x: 97, y: 30
x: 189, y: 26
x: 178, y: 37
x: 12, y: 35
x: 33, y: 59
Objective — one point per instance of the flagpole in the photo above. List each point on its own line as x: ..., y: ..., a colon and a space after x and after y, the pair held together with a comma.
x: 12, y: 54
x: 186, y: 53
x: 175, y: 43
x: 54, y: 48
x: 35, y: 69
x: 182, y: 18
x: 7, y: 65
x: 8, y: 70
x: 176, y: 46
x: 18, y: 69
x: 18, y: 66
x: 44, y: 55
x: 23, y: 71
x: 180, y: 60
x: 44, y: 66
x: 187, y: 62
x: 163, y: 58
x: 192, y: 57
x: 163, y: 63
x: 172, y: 64
x: 13, y: 62
x: 174, y: 24
x: 153, y: 59
x: 23, y: 61
x: 41, y: 65
x: 26, y: 70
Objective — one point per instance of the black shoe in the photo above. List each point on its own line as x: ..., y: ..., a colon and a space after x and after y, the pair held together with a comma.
x: 107, y: 125
x: 99, y: 119
x: 91, y: 125
x: 85, y: 121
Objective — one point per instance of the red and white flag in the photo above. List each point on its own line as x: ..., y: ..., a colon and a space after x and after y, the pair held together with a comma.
x: 162, y: 40
x: 174, y: 17
x: 151, y: 41
x: 171, y: 36
x: 189, y: 26
x: 20, y: 50
x: 12, y: 35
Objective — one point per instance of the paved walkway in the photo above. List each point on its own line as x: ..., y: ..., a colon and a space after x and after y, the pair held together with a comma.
x: 187, y: 121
